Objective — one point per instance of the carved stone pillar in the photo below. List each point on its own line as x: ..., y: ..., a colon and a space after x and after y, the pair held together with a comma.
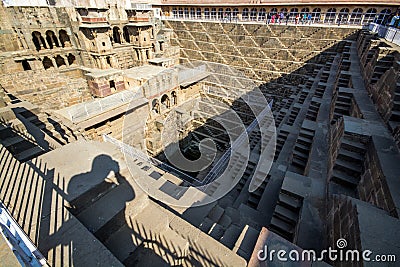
x: 65, y: 60
x: 143, y: 55
x: 53, y: 60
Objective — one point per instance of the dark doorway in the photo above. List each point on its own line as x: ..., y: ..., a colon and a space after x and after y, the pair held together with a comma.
x: 25, y: 65
x: 112, y: 84
x: 116, y: 35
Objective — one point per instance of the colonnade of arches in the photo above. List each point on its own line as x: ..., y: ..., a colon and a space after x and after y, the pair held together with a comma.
x: 123, y: 36
x: 58, y: 61
x: 331, y: 15
x: 50, y: 39
x: 164, y: 102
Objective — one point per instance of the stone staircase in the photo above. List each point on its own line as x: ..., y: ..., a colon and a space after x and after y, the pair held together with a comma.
x: 20, y: 146
x: 395, y: 112
x: 224, y: 225
x: 20, y: 139
x: 286, y: 214
x: 349, y: 162
x: 32, y: 195
x: 302, y: 149
x: 49, y: 124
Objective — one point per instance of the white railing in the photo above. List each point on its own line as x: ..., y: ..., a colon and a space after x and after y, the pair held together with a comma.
x: 83, y: 111
x: 348, y: 19
x: 23, y: 248
x: 135, y: 153
x: 190, y: 73
x: 136, y: 6
x: 388, y: 33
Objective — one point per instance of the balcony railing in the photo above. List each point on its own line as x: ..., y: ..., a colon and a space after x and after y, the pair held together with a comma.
x: 337, y: 18
x: 139, y: 19
x: 389, y: 33
x: 94, y: 19
x: 141, y: 6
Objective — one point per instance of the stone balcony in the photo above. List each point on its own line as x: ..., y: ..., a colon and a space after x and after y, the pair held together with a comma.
x: 139, y: 19
x: 94, y: 19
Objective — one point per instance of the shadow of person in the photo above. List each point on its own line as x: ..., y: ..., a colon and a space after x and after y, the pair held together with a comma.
x: 104, y: 175
x: 96, y: 199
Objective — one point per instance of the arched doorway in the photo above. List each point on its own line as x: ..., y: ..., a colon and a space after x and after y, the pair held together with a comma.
x: 370, y: 15
x: 245, y: 14
x: 38, y: 40
x: 253, y: 14
x: 71, y: 59
x: 155, y: 106
x: 126, y: 34
x: 330, y: 16
x: 64, y: 38
x: 116, y: 35
x: 344, y: 15
x: 26, y: 65
x: 261, y: 14
x: 316, y: 15
x: 165, y: 102
x: 174, y: 98
x: 60, y: 61
x: 356, y: 16
x: 383, y: 16
x: 207, y: 13
x: 47, y: 63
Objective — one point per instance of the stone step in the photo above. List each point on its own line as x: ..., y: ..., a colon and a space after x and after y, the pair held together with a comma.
x: 299, y: 163
x: 206, y: 225
x: 397, y: 95
x: 246, y: 241
x: 216, y: 213
x: 299, y: 155
x: 396, y: 105
x: 289, y: 201
x: 225, y: 220
x: 347, y: 166
x: 304, y: 141
x: 287, y: 213
x: 344, y: 179
x: 108, y: 206
x: 307, y: 132
x: 216, y: 231
x: 350, y: 156
x: 123, y: 242
x: 230, y: 236
x: 302, y: 148
x: 86, y: 199
x: 281, y: 226
x: 13, y: 140
x: 30, y: 153
x: 4, y: 128
x: 352, y: 145
x: 395, y: 115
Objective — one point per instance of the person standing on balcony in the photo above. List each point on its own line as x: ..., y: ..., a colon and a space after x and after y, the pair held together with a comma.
x: 339, y: 19
x: 309, y: 18
x: 287, y: 17
x: 393, y: 20
x: 273, y: 19
x: 304, y: 20
x: 281, y: 17
x: 297, y: 19
x: 268, y: 18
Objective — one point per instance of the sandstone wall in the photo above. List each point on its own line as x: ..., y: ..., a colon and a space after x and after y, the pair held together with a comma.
x: 48, y: 89
x: 262, y: 52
